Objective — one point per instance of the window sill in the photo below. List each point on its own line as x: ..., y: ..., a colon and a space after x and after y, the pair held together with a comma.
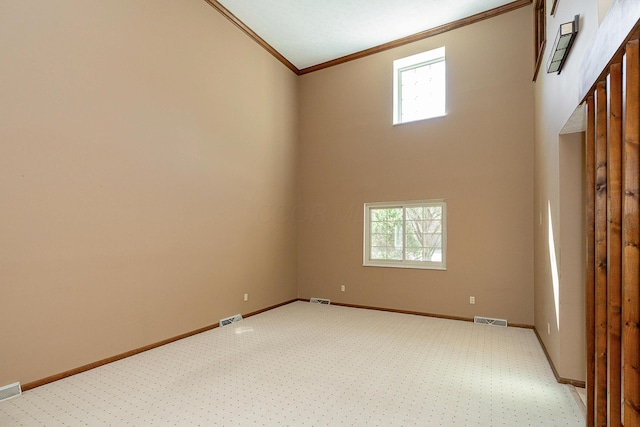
x: 420, y: 120
x: 419, y: 266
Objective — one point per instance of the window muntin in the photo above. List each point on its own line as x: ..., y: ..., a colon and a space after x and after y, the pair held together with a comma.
x: 405, y: 234
x: 419, y: 86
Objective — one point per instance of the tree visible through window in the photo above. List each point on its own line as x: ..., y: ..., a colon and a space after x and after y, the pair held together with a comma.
x: 409, y: 234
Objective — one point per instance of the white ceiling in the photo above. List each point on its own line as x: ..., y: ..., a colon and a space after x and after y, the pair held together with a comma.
x: 311, y: 32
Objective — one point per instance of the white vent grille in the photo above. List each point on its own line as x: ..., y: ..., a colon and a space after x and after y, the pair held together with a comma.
x: 230, y: 320
x: 489, y: 321
x: 9, y: 391
x: 320, y: 301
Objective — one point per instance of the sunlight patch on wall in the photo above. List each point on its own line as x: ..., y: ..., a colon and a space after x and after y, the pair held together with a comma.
x: 554, y: 268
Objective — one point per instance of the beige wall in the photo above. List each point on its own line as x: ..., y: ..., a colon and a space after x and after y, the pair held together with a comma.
x: 142, y: 147
x: 603, y: 8
x: 153, y: 164
x: 479, y: 157
x: 559, y: 199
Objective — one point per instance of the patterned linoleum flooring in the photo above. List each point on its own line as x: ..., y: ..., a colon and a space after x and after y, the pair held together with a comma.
x: 315, y: 365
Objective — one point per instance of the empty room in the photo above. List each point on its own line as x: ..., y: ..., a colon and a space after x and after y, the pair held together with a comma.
x: 242, y: 212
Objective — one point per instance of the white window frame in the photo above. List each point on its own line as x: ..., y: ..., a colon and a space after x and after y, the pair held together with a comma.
x: 404, y: 263
x: 411, y: 62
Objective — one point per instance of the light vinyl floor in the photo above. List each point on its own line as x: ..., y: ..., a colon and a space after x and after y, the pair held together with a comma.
x: 306, y: 364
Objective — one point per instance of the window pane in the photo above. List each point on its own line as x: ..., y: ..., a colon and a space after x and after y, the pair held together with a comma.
x: 386, y: 214
x: 433, y: 212
x: 414, y: 233
x: 386, y: 233
x: 417, y: 213
x: 423, y: 91
x: 414, y: 254
x: 395, y: 254
x: 436, y: 255
x: 377, y: 253
x: 433, y: 226
x: 380, y: 240
x: 433, y: 240
x: 423, y: 233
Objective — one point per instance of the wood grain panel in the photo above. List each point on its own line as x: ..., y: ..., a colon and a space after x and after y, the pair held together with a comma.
x: 590, y: 261
x: 631, y: 253
x: 613, y: 304
x: 601, y: 254
x: 614, y: 263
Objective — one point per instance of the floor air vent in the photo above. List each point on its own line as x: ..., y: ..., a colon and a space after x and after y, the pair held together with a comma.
x: 9, y: 391
x: 230, y: 320
x: 489, y: 321
x: 320, y: 301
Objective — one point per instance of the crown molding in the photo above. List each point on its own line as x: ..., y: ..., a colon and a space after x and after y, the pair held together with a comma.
x: 248, y: 31
x: 422, y: 35
x: 517, y: 4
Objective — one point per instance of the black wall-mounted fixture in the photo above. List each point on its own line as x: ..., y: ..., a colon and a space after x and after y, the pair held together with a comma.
x: 564, y: 40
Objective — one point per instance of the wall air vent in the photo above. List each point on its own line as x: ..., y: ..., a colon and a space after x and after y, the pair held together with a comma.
x: 230, y: 320
x: 10, y: 391
x: 320, y: 301
x: 489, y: 321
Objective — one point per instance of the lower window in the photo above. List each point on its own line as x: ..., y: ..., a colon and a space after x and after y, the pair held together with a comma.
x: 406, y: 234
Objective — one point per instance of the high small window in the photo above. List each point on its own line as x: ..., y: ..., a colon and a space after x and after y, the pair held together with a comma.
x: 419, y: 86
x: 406, y: 234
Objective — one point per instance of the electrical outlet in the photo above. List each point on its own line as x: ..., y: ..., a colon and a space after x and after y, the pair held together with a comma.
x: 343, y: 288
x: 548, y: 328
x: 246, y: 297
x: 472, y: 300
